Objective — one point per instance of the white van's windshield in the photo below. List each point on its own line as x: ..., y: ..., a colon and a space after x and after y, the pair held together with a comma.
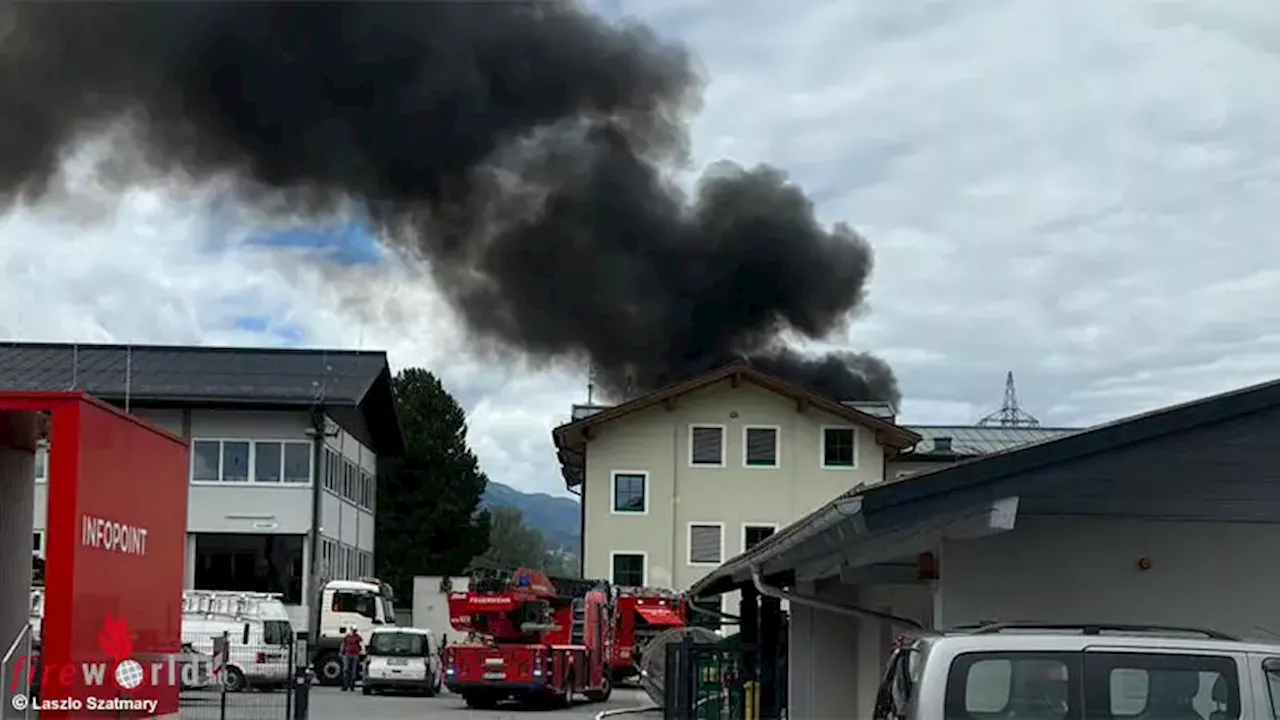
x: 397, y: 644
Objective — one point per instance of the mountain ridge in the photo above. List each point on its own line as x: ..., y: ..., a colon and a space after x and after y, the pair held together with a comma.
x: 559, y: 519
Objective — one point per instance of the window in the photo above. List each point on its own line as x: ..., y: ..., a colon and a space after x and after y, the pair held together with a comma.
x: 268, y: 457
x: 362, y: 490
x: 1014, y: 684
x: 629, y: 570
x: 42, y: 463
x: 355, y: 601
x: 398, y: 644
x: 263, y: 461
x: 1272, y: 668
x: 706, y: 543
x: 331, y: 466
x: 297, y: 462
x: 760, y: 447
x: 839, y: 447
x: 753, y: 535
x: 326, y: 558
x: 348, y: 479
x: 37, y: 543
x: 1142, y: 685
x: 706, y: 445
x: 630, y: 492
x: 206, y: 461
x: 235, y: 461
x: 368, y: 482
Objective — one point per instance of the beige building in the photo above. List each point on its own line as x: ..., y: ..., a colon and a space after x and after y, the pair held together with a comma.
x: 676, y: 482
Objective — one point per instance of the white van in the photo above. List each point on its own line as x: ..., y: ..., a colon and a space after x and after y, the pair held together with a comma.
x: 402, y: 658
x: 1067, y: 672
x: 259, y: 652
x: 260, y: 635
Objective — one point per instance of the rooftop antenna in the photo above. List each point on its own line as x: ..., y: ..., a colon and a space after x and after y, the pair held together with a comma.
x: 128, y: 375
x: 1009, y: 414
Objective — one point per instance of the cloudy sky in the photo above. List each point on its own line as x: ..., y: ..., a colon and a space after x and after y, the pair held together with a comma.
x: 1083, y: 193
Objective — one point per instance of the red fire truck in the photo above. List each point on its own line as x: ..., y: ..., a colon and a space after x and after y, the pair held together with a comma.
x: 531, y: 638
x: 640, y: 614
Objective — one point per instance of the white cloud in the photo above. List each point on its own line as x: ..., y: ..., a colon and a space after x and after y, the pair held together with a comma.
x: 1081, y: 192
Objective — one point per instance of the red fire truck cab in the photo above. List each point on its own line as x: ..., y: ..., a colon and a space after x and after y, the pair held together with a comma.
x: 642, y: 613
x: 531, y: 639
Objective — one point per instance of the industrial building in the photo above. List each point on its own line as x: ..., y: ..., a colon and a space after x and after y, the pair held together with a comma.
x: 284, y: 446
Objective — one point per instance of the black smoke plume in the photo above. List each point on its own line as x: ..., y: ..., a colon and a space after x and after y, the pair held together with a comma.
x: 526, y: 150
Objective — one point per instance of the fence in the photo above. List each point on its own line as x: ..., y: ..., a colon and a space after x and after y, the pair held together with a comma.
x: 13, y: 675
x: 724, y: 681
x: 237, y: 681
x: 242, y: 681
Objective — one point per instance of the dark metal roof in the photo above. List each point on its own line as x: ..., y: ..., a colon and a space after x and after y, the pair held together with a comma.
x: 933, y: 492
x: 215, y: 376
x: 972, y: 441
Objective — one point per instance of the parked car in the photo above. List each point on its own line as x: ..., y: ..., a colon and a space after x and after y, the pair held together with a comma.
x: 1072, y: 671
x: 402, y: 658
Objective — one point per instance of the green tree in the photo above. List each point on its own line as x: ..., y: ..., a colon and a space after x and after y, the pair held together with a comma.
x: 427, y: 522
x: 512, y: 544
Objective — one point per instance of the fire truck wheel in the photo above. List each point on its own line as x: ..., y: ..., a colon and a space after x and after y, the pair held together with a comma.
x: 601, y: 695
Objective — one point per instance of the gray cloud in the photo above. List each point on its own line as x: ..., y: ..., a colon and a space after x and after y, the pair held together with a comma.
x: 1083, y: 193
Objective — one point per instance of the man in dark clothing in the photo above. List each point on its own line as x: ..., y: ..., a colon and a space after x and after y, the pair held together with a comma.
x: 352, y: 645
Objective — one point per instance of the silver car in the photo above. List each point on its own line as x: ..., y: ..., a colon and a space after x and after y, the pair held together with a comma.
x: 1027, y: 671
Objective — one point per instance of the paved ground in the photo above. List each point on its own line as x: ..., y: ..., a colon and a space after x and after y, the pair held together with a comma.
x: 333, y: 704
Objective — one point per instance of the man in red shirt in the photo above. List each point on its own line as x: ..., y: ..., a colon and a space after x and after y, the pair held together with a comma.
x: 352, y: 645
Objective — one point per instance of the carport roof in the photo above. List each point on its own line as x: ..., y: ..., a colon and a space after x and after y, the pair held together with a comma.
x: 925, y: 496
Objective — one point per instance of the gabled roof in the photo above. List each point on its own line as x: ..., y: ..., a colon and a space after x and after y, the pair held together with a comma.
x: 571, y: 438
x: 952, y: 487
x: 354, y: 386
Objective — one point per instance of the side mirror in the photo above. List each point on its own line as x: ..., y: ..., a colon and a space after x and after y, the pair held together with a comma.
x: 245, y: 638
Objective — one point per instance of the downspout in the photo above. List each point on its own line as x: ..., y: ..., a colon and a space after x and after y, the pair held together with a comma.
x: 318, y: 476
x: 847, y: 610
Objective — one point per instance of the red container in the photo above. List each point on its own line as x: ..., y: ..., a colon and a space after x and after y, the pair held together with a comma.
x: 115, y: 554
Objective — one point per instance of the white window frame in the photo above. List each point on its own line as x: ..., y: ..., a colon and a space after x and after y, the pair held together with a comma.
x: 822, y: 447
x: 724, y: 445
x: 688, y: 543
x: 777, y: 447
x: 253, y: 459
x: 644, y: 558
x: 743, y: 538
x: 333, y: 485
x: 613, y: 493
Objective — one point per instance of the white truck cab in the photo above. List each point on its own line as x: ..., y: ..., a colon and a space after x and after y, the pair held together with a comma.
x: 346, y: 605
x: 1017, y: 671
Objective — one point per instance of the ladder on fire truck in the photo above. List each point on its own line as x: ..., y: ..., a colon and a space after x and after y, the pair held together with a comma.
x: 579, y: 634
x: 226, y: 603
